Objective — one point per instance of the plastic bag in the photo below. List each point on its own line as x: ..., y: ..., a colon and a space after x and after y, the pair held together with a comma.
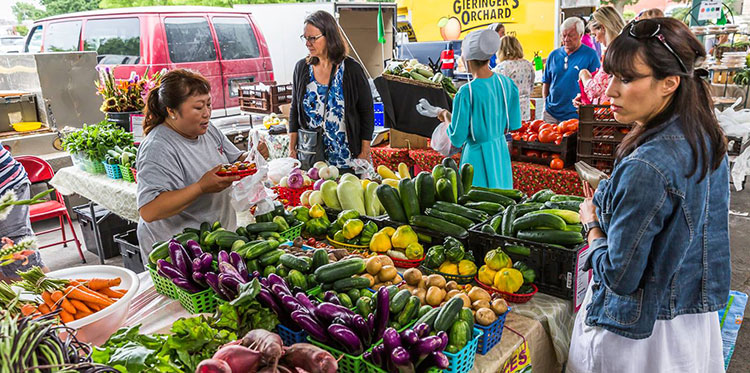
x: 280, y: 167
x: 734, y: 123
x: 363, y: 168
x: 441, y: 143
x: 251, y: 189
x: 741, y: 169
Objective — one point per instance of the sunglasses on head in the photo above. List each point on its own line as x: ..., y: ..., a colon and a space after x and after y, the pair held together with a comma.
x: 648, y: 28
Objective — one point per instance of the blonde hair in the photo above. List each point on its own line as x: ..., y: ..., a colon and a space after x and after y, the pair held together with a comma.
x: 609, y: 18
x: 510, y: 49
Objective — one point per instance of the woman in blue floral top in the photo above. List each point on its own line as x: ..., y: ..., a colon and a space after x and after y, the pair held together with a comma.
x: 331, y: 92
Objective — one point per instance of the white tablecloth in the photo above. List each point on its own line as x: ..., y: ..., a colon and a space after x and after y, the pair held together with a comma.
x: 118, y: 196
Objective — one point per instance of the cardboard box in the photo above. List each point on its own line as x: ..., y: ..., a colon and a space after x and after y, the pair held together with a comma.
x: 407, y: 140
x: 285, y: 109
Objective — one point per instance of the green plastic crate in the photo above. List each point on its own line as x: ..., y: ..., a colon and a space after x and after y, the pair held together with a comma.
x: 291, y: 233
x: 371, y: 368
x: 347, y: 363
x: 201, y: 302
x: 163, y: 285
x: 94, y: 167
x: 127, y: 173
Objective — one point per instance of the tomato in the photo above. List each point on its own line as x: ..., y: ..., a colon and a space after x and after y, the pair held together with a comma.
x: 533, y: 137
x: 525, y: 137
x: 561, y: 127
x: 544, y: 155
x: 624, y: 131
x: 547, y: 135
x: 516, y: 136
x: 572, y: 126
x: 555, y: 156
x: 557, y: 164
x: 234, y: 168
x: 524, y: 125
x: 558, y: 141
x: 547, y: 126
x: 532, y: 153
x: 566, y: 134
x: 534, y: 127
x: 514, y: 151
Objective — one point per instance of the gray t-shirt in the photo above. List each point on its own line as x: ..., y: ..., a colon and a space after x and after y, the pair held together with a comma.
x: 167, y: 161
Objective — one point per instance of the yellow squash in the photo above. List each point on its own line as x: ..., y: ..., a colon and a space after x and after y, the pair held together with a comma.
x: 466, y: 268
x: 449, y: 268
x: 508, y: 280
x: 497, y: 260
x: 386, y: 173
x: 380, y: 242
x: 486, y: 275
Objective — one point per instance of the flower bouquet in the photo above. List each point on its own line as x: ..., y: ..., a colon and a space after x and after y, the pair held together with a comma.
x: 125, y: 95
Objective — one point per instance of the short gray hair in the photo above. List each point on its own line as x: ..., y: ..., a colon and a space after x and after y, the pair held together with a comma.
x: 572, y: 22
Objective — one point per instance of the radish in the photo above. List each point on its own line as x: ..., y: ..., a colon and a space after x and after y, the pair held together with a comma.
x: 296, y: 171
x: 318, y: 183
x: 268, y: 344
x: 213, y: 366
x: 313, y: 173
x: 333, y: 171
x: 304, y: 199
x: 284, y: 182
x: 310, y: 358
x: 239, y: 358
x: 325, y: 173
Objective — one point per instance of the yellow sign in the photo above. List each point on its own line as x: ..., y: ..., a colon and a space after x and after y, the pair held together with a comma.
x: 531, y: 21
x: 519, y: 362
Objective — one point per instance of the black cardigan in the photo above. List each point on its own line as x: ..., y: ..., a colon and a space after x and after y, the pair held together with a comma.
x: 358, y: 112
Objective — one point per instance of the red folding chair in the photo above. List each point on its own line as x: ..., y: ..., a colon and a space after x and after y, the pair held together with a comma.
x: 41, y: 172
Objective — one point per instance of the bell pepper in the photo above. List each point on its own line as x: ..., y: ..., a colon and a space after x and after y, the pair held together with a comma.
x: 352, y: 228
x: 435, y: 257
x: 367, y: 232
x: 414, y: 251
x: 317, y: 211
x: 318, y: 226
x: 339, y: 236
x: 281, y: 222
x: 301, y: 213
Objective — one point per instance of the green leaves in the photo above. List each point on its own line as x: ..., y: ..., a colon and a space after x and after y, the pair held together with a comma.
x: 94, y: 140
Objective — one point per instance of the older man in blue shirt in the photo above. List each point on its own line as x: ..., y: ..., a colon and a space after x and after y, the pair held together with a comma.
x: 561, y: 73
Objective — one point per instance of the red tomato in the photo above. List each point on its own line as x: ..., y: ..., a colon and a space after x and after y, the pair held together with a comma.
x: 557, y: 164
x: 566, y: 134
x: 525, y: 137
x: 546, y: 126
x: 558, y: 141
x: 546, y: 135
x: 534, y: 127
x: 555, y: 156
x: 544, y: 155
x: 532, y: 153
x: 571, y: 126
x: 516, y: 136
x: 533, y: 137
x: 560, y: 127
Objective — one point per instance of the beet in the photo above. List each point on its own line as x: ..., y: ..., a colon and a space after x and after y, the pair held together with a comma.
x: 269, y: 345
x: 213, y: 366
x: 310, y: 358
x: 239, y: 358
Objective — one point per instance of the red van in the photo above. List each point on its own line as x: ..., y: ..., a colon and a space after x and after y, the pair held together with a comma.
x: 223, y: 44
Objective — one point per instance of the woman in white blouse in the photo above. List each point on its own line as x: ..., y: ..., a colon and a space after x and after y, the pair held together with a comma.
x: 512, y: 65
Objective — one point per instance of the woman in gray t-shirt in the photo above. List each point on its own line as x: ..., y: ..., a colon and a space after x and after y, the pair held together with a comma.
x: 177, y: 162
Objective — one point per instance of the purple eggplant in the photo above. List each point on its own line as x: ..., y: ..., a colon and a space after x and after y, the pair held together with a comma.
x: 423, y: 329
x: 382, y: 313
x: 424, y: 347
x: 377, y: 355
x: 409, y: 337
x: 263, y: 280
x: 256, y: 274
x: 205, y: 262
x: 179, y: 258
x: 371, y: 322
x: 290, y: 303
x: 443, y: 340
x: 245, y: 276
x: 223, y: 257
x: 237, y: 261
x: 327, y: 312
x: 346, y: 338
x: 229, y: 281
x: 305, y: 302
x: 401, y: 359
x: 200, y: 278
x: 186, y: 285
x: 308, y: 324
x: 274, y: 279
x: 367, y: 356
x: 169, y: 270
x: 331, y: 297
x: 229, y: 270
x: 434, y: 360
x: 279, y: 290
x: 265, y: 298
x: 194, y: 248
x: 212, y: 279
x: 359, y: 325
x: 391, y: 340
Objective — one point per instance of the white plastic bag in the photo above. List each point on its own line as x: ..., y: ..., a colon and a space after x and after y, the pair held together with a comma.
x: 363, y: 168
x: 251, y: 189
x: 741, y: 168
x: 280, y: 167
x: 440, y: 141
x: 734, y: 123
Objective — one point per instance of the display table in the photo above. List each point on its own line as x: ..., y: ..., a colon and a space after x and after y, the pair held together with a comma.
x: 390, y: 157
x: 556, y: 316
x: 426, y: 159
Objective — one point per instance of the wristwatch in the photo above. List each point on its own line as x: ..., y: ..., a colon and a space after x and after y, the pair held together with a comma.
x: 588, y: 227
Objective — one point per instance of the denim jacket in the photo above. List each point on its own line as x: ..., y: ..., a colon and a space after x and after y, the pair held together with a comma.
x: 667, y: 247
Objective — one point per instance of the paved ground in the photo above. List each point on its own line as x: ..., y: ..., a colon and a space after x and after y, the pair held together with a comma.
x: 59, y: 257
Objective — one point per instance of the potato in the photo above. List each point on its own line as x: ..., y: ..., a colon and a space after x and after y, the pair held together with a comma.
x: 421, y: 294
x: 465, y: 298
x: 499, y: 306
x: 386, y: 260
x: 434, y: 296
x: 435, y: 280
x: 479, y: 304
x: 369, y: 277
x: 373, y: 265
x: 485, y: 316
x: 476, y: 294
x: 407, y: 287
x: 422, y: 284
x: 387, y: 283
x: 452, y: 294
x: 451, y: 285
x: 377, y: 286
x: 387, y: 273
x: 412, y: 276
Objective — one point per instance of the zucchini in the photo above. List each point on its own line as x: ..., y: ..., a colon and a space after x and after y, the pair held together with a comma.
x: 205, y: 227
x: 507, y: 224
x: 514, y: 194
x: 211, y: 237
x: 270, y: 258
x: 447, y: 216
x: 551, y: 237
x: 256, y: 228
x: 438, y: 172
x: 255, y: 250
x: 399, y: 301
x: 408, y: 197
x: 410, y: 311
x: 543, y: 195
x: 452, y: 176
x: 346, y: 284
x: 226, y: 239
x: 573, y: 227
x: 517, y: 250
x: 487, y: 228
x: 438, y: 225
x: 570, y: 217
x: 525, y: 208
x: 425, y: 187
x: 537, y: 221
x: 467, y: 176
x: 448, y: 314
x: 484, y: 196
x: 563, y: 197
x: 491, y: 208
x: 331, y: 272
x: 292, y: 262
x: 270, y: 235
x: 429, y: 317
x: 497, y: 220
x: 192, y: 230
x: 475, y: 215
x: 444, y: 190
x: 241, y: 231
x: 563, y: 205
x: 319, y: 258
x: 388, y: 197
x: 450, y: 164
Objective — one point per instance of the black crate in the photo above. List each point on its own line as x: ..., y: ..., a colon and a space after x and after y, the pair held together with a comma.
x: 108, y: 227
x: 130, y: 251
x: 566, y: 150
x: 556, y: 271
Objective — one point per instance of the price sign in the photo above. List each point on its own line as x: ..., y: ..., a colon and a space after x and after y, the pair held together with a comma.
x: 710, y: 10
x: 136, y: 127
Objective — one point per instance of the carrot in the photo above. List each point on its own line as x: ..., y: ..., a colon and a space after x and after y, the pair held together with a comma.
x: 81, y: 314
x: 87, y: 296
x: 112, y: 293
x: 44, y: 308
x: 94, y: 307
x: 80, y: 306
x: 58, y: 297
x: 28, y: 309
x: 101, y: 283
x: 66, y: 317
x: 47, y: 297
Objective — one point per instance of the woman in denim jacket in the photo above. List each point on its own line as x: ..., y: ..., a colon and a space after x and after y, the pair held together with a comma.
x: 658, y: 228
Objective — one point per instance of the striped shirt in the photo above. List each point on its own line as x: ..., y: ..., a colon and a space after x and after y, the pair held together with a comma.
x: 12, y: 173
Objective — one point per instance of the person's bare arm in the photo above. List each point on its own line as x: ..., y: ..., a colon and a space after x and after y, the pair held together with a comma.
x: 293, y: 145
x: 365, y: 153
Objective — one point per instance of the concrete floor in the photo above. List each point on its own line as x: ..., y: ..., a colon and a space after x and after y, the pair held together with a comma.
x: 59, y: 257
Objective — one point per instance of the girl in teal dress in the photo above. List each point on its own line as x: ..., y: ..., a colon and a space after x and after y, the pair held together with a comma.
x: 484, y: 110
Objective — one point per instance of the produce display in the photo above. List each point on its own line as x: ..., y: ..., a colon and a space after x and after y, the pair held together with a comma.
x: 315, y: 220
x: 274, y: 120
x: 500, y: 273
x: 94, y: 141
x: 409, y: 350
x: 348, y: 193
x: 412, y: 69
x: 450, y: 258
x: 123, y: 156
x: 299, y: 178
x: 350, y: 229
x: 401, y: 243
x: 381, y: 271
x: 546, y: 133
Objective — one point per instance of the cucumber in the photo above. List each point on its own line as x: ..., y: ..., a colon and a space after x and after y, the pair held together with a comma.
x: 563, y: 205
x: 491, y: 208
x: 410, y: 311
x: 537, y: 221
x: 159, y: 250
x: 226, y: 239
x: 297, y: 278
x: 525, y: 208
x: 444, y: 190
x: 346, y: 284
x: 517, y: 250
x: 507, y: 224
x: 452, y: 176
x: 408, y: 197
x: 205, y: 227
x: 211, y: 237
x: 448, y: 314
x: 292, y: 262
x: 388, y: 197
x: 184, y: 237
x: 267, y: 235
x: 281, y: 270
x: 543, y: 195
x: 475, y: 215
x: 354, y: 293
x: 466, y: 315
x: 450, y: 164
x: 256, y: 228
x: 331, y: 272
x: 447, y: 216
x: 255, y: 250
x: 563, y: 197
x: 216, y: 225
x: 488, y: 229
x: 467, y: 177
x: 425, y: 187
x: 551, y: 237
x: 484, y: 196
x: 423, y: 238
x: 423, y: 310
x: 429, y: 317
x: 319, y: 258
x: 573, y: 227
x: 496, y: 221
x: 270, y: 258
x: 345, y: 300
x: 364, y: 306
x: 457, y: 336
x: 438, y: 225
x: 514, y: 194
x: 570, y: 217
x: 399, y: 301
x: 268, y: 270
x: 438, y: 172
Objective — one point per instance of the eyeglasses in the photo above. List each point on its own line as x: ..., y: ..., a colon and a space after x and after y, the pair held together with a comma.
x: 310, y: 39
x: 648, y: 28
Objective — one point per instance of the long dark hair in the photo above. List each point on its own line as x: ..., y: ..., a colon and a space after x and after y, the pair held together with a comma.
x: 692, y: 99
x: 175, y: 87
x: 336, y: 47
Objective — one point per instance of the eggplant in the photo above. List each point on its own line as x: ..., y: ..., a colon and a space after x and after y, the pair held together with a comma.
x: 205, y: 262
x: 179, y: 258
x: 234, y: 259
x: 424, y: 347
x: 265, y: 297
x: 305, y: 302
x: 327, y: 312
x: 443, y: 340
x: 391, y: 340
x: 308, y: 324
x: 423, y: 330
x: 434, y: 360
x: 223, y: 257
x: 331, y: 297
x: 169, y: 270
x: 409, y: 337
x: 290, y: 303
x: 359, y: 325
x: 228, y: 269
x: 377, y: 355
x: 382, y: 313
x: 274, y: 279
x: 185, y: 284
x: 279, y: 290
x: 194, y: 248
x: 346, y: 338
x: 229, y: 281
x: 401, y: 359
x: 200, y: 278
x: 367, y: 356
x: 239, y: 263
x: 371, y: 322
x: 263, y: 281
x: 212, y: 279
x: 257, y: 274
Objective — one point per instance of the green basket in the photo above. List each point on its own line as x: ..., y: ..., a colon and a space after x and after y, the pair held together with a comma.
x: 162, y: 284
x: 371, y: 368
x: 291, y: 233
x: 347, y: 363
x: 127, y: 173
x: 94, y: 167
x: 460, y: 279
x: 200, y: 302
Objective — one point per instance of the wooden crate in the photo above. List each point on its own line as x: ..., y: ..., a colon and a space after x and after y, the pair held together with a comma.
x: 264, y: 100
x: 566, y: 150
x: 599, y: 134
